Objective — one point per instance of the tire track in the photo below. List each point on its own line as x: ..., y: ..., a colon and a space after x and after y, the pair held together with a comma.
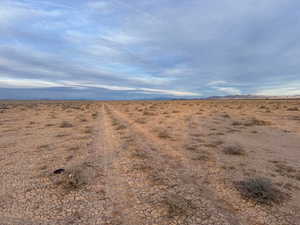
x: 183, y: 175
x: 123, y: 206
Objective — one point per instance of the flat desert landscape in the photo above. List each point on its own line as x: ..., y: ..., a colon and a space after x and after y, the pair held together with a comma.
x: 221, y: 162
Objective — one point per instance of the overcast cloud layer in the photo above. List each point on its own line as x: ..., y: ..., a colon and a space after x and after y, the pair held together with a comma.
x: 154, y: 48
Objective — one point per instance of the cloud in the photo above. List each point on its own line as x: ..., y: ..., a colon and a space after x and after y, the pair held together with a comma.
x: 25, y: 83
x: 158, y: 46
x: 35, y: 83
x: 281, y: 89
x: 229, y: 90
x: 217, y: 82
x: 99, y: 5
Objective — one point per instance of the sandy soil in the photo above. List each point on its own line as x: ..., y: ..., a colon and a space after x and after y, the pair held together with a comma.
x: 149, y: 162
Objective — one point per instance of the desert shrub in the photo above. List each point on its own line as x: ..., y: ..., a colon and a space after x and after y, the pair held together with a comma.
x: 141, y: 120
x: 236, y: 123
x: 115, y: 122
x: 74, y: 148
x: 177, y: 205
x: 83, y: 120
x: 71, y: 179
x: 121, y: 127
x: 88, y: 130
x: 140, y: 167
x: 259, y: 189
x: 225, y: 115
x: 65, y: 124
x: 284, y: 169
x: 94, y: 115
x: 288, y: 171
x: 163, y: 134
x: 61, y: 135
x: 203, y: 156
x: 293, y: 109
x: 256, y: 122
x: 148, y: 113
x: 234, y: 150
x: 49, y: 125
x: 43, y: 146
x: 192, y: 147
x: 140, y: 154
x: 297, y: 176
x: 75, y: 179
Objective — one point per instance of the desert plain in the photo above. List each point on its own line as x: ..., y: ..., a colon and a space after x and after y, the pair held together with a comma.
x: 221, y: 162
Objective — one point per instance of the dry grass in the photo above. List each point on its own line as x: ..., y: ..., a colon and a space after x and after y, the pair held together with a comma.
x: 121, y: 127
x: 256, y: 122
x: 65, y: 124
x: 163, y: 134
x: 234, y: 150
x: 141, y: 120
x: 293, y: 109
x: 260, y: 190
x: 71, y: 179
x: 177, y: 205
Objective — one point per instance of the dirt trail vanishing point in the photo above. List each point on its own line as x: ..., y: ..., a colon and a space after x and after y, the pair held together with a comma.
x: 118, y: 168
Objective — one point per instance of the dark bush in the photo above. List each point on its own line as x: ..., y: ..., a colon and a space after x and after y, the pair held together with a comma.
x: 65, y: 124
x: 234, y: 150
x: 260, y: 190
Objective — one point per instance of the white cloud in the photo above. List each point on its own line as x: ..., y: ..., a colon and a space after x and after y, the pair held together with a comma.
x: 229, y: 90
x: 27, y: 69
x: 35, y: 83
x: 281, y: 90
x: 100, y: 6
x: 12, y: 12
x: 150, y: 90
x: 26, y: 83
x: 220, y: 85
x: 178, y: 70
x: 121, y: 38
x: 217, y: 82
x: 170, y: 92
x: 150, y: 80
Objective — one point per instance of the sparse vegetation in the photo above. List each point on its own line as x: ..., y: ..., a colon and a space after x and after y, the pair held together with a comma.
x: 65, y: 124
x: 259, y: 189
x: 178, y: 206
x: 71, y: 179
x: 121, y: 127
x: 167, y: 168
x: 236, y: 123
x: 293, y: 109
x: 256, y: 122
x: 163, y: 134
x: 233, y: 150
x: 141, y: 120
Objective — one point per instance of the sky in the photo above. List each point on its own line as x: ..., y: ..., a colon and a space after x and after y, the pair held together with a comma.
x: 119, y: 49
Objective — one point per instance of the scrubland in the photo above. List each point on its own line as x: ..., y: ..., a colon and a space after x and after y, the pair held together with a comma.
x: 150, y: 162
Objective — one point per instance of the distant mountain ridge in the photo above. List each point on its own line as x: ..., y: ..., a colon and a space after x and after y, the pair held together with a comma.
x: 63, y: 93
x: 252, y: 97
